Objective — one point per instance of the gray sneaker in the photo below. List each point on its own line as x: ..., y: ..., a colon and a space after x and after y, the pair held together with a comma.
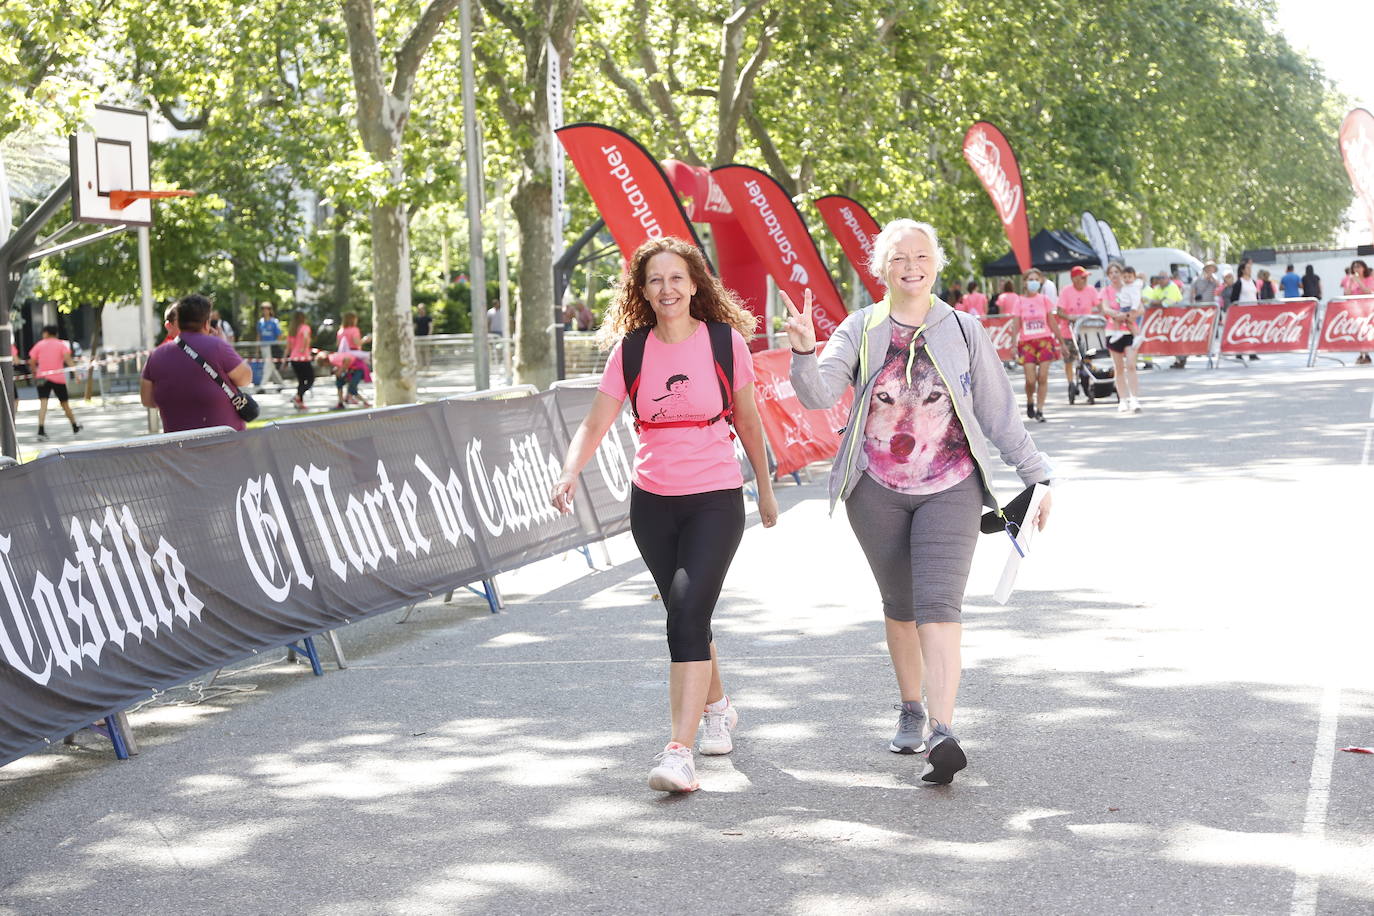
x: 944, y: 756
x: 910, y: 724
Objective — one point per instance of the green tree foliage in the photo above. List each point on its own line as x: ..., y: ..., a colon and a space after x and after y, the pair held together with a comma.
x: 1182, y: 122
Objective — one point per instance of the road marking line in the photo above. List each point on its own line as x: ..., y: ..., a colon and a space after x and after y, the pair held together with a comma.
x: 1368, y: 438
x: 1308, y: 865
x: 1371, y: 408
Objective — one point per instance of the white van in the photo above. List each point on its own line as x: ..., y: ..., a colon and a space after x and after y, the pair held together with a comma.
x: 1150, y: 261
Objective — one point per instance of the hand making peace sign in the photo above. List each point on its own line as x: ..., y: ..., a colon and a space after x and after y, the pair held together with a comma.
x: 801, y: 331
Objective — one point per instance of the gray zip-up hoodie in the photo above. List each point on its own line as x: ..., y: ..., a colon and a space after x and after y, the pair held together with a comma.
x: 966, y: 360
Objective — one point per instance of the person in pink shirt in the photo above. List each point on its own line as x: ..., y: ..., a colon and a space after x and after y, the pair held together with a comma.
x: 974, y: 302
x: 300, y: 356
x: 48, y: 361
x: 351, y: 365
x: 1006, y: 300
x: 687, y: 501
x: 1033, y: 327
x: 1075, y: 300
x: 1359, y: 282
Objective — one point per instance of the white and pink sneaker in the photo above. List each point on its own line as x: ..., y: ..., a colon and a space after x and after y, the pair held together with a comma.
x: 716, y: 726
x: 674, y: 771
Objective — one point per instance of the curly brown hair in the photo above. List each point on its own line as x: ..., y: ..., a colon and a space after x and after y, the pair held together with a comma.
x: 630, y: 309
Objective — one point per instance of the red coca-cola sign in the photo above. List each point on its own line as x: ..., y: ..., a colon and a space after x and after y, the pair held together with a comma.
x: 1177, y: 331
x: 999, y: 329
x: 1348, y: 326
x: 1272, y: 328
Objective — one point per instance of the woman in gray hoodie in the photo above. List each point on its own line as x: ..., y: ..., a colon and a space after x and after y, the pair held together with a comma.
x: 931, y: 399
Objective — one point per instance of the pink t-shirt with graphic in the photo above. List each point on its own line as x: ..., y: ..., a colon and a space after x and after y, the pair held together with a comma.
x: 974, y: 304
x: 1035, y: 313
x: 679, y: 382
x: 47, y: 359
x: 1075, y: 302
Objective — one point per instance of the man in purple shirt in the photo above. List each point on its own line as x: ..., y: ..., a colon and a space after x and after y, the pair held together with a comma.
x: 174, y: 383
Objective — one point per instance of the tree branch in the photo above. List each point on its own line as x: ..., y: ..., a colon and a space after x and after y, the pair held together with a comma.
x: 503, y: 14
x: 745, y: 89
x: 776, y: 165
x: 199, y: 122
x: 416, y: 44
x: 368, y: 81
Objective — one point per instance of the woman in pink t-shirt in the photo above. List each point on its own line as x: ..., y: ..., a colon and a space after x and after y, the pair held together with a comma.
x: 1359, y: 282
x: 1007, y: 299
x: 350, y: 362
x: 974, y: 302
x: 1036, y: 342
x: 687, y: 502
x: 299, y: 355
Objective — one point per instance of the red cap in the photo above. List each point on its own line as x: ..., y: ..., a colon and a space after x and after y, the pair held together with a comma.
x: 1078, y: 271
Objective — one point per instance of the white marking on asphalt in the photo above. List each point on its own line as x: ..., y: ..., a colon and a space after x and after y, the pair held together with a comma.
x: 1308, y: 863
x: 1368, y: 438
x: 1371, y: 408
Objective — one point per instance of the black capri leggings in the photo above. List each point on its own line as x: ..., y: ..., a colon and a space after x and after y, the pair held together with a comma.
x: 305, y: 375
x: 688, y: 543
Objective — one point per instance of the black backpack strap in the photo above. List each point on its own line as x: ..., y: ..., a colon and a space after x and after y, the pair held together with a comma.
x: 723, y: 353
x: 632, y: 362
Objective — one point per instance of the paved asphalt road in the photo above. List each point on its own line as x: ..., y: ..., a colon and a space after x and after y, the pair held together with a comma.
x: 1152, y: 722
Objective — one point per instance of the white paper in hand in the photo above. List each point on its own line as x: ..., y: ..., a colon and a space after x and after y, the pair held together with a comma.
x: 1019, y: 548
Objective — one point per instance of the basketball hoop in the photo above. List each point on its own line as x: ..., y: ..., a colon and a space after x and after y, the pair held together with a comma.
x: 121, y: 199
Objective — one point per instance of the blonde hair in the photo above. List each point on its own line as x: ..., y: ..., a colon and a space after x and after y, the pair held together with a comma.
x: 887, y: 240
x: 630, y: 309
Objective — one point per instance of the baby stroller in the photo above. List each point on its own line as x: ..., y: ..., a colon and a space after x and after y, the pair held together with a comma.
x: 1090, y: 333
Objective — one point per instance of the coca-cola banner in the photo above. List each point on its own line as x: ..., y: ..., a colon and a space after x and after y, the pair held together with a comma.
x: 1348, y: 326
x: 999, y: 329
x: 851, y: 225
x: 1177, y: 331
x: 125, y: 570
x: 781, y: 241
x: 627, y: 185
x: 1357, y: 148
x: 796, y: 435
x: 1277, y: 327
x: 989, y: 155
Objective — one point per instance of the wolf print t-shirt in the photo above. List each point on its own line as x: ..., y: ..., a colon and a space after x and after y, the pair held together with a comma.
x: 913, y: 441
x: 679, y: 382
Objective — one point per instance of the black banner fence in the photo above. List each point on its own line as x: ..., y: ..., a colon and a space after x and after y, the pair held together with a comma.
x: 131, y: 568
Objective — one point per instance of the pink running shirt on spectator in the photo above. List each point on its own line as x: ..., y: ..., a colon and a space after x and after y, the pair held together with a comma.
x: 1075, y: 302
x: 1035, y: 313
x: 974, y: 304
x: 47, y: 359
x: 678, y: 382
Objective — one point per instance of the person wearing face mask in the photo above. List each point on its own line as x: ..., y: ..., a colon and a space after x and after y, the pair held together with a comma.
x: 1037, y: 342
x: 687, y: 502
x: 932, y: 404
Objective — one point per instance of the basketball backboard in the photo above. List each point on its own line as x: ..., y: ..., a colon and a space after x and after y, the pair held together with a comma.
x: 112, y: 155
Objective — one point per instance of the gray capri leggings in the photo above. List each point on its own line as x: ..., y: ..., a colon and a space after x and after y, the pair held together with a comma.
x: 919, y: 547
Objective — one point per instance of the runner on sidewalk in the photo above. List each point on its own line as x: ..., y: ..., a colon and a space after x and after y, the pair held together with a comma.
x: 931, y: 401
x: 48, y: 360
x: 1032, y: 325
x: 687, y: 503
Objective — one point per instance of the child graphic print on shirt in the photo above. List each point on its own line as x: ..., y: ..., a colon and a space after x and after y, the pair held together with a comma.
x: 676, y: 404
x: 913, y: 440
